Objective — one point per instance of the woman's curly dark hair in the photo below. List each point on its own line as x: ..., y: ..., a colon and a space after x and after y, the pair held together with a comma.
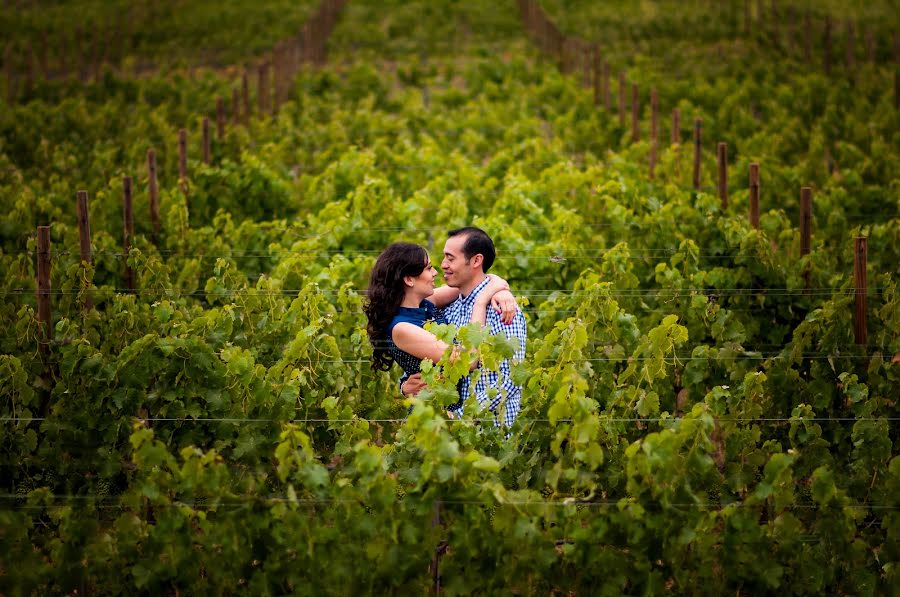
x: 386, y: 293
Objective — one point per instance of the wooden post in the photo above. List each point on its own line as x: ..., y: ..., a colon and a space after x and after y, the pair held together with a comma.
x: 115, y: 40
x: 775, y: 22
x: 153, y: 190
x: 281, y: 76
x: 84, y: 235
x: 42, y: 55
x: 205, y: 129
x: 30, y: 70
x: 305, y: 44
x: 622, y: 99
x: 435, y: 567
x: 263, y: 89
x: 84, y: 226
x: 870, y: 45
x: 291, y: 65
x: 8, y: 68
x: 860, y: 283
x: 123, y: 38
x: 722, y: 161
x: 807, y: 37
x: 754, y: 195
x: 559, y: 44
x: 63, y: 58
x: 676, y: 126
x: 635, y: 113
x: 826, y: 57
x: 805, y: 227
x: 245, y: 91
x: 108, y: 32
x: 587, y: 70
x: 128, y: 230
x: 95, y: 52
x: 575, y: 58
x: 654, y: 129
x: 276, y: 77
x: 287, y: 75
x: 896, y: 89
x: 235, y: 106
x: 43, y: 288
x: 78, y: 54
x: 598, y: 82
x: 607, y: 96
x: 790, y: 25
x: 851, y: 43
x: 577, y: 64
x: 805, y: 219
x: 220, y: 119
x: 182, y: 160
x: 747, y: 25
x: 698, y: 130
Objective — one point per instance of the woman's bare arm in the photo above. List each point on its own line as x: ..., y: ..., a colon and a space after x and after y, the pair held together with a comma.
x: 422, y: 344
x: 443, y: 296
x: 418, y: 342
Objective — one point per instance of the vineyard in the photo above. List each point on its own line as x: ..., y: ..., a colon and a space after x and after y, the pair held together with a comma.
x: 696, y: 204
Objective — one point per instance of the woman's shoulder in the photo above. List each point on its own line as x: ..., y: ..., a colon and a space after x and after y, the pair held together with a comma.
x: 413, y: 316
x: 417, y: 317
x: 398, y: 318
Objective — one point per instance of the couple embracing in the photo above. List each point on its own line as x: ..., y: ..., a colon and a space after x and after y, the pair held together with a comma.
x: 402, y: 297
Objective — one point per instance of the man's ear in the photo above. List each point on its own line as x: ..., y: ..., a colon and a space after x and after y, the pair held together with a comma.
x: 477, y: 260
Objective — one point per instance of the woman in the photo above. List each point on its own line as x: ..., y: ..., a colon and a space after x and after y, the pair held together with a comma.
x: 402, y: 298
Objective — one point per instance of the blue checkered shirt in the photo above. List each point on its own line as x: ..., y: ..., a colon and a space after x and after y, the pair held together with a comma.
x: 459, y: 313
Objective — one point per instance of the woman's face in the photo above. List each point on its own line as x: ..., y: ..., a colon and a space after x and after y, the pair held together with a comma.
x: 423, y: 284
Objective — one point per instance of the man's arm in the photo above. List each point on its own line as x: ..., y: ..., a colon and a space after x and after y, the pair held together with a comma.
x: 443, y: 296
x: 502, y: 379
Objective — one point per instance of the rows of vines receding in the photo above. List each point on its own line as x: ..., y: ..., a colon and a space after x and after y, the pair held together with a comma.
x: 698, y: 412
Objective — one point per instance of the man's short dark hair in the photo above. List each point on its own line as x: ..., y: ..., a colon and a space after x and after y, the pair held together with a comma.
x: 477, y: 241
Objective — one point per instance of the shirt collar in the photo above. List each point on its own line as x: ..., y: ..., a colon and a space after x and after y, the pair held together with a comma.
x: 468, y: 300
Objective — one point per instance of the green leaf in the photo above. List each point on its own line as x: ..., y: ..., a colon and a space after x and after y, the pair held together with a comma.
x: 648, y: 404
x: 594, y: 456
x: 823, y: 489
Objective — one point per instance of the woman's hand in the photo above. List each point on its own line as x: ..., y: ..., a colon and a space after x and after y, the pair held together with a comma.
x: 495, y: 285
x: 505, y: 304
x: 413, y: 385
x: 500, y: 298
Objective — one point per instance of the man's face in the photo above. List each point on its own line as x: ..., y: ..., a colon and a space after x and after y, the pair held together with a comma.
x: 457, y: 269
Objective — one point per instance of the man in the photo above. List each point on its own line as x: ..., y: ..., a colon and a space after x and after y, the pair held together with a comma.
x: 468, y: 255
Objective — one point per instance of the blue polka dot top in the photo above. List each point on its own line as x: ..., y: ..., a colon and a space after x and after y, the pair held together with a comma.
x: 425, y: 312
